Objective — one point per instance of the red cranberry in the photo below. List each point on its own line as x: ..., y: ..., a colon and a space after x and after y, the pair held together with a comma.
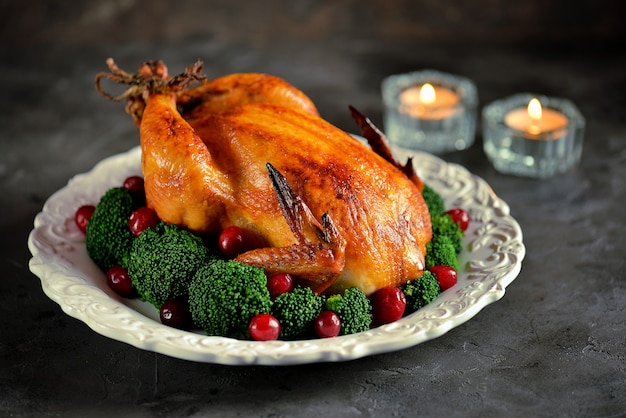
x: 264, y: 327
x: 388, y: 305
x: 446, y: 275
x: 279, y: 283
x: 460, y: 216
x: 232, y: 242
x: 135, y: 185
x: 175, y: 313
x: 119, y: 280
x: 83, y: 215
x: 327, y: 324
x: 142, y: 219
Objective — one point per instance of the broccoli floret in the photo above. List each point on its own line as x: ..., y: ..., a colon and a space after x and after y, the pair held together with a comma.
x: 296, y: 311
x: 443, y: 225
x: 224, y: 295
x: 108, y: 239
x: 440, y: 251
x: 420, y: 292
x: 163, y: 260
x: 354, y: 310
x: 433, y: 201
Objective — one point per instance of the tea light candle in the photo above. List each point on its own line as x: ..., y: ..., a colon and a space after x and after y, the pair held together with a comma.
x: 532, y: 136
x: 428, y: 101
x: 535, y: 120
x: 430, y: 111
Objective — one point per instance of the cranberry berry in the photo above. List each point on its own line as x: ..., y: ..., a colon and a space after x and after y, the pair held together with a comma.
x: 175, y: 313
x: 460, y: 216
x: 119, y: 280
x: 135, y: 185
x: 83, y: 215
x: 264, y: 327
x: 446, y: 276
x: 388, y: 305
x: 232, y: 241
x: 327, y: 324
x: 142, y: 219
x: 279, y: 283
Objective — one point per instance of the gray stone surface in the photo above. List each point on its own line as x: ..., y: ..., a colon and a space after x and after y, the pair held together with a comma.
x: 555, y: 345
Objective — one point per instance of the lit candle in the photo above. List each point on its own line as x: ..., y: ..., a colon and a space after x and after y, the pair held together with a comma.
x: 534, y: 120
x: 532, y: 136
x: 430, y: 111
x: 428, y: 101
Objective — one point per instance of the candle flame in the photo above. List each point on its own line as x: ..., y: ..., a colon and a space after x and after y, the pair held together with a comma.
x: 427, y: 94
x: 534, y: 109
x: 535, y: 114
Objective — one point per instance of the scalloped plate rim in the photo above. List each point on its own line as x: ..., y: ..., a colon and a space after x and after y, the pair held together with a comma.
x: 48, y: 264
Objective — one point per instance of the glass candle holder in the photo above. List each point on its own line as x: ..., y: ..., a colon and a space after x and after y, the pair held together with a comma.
x: 430, y: 111
x: 518, y: 142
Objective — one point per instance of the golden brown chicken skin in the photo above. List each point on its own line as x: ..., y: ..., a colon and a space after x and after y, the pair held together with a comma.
x: 212, y: 174
x: 318, y: 203
x: 217, y: 95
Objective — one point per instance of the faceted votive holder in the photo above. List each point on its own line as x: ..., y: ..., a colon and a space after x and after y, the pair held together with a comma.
x: 528, y: 153
x: 448, y: 124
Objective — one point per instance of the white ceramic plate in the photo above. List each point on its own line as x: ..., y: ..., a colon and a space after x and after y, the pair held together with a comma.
x: 491, y: 259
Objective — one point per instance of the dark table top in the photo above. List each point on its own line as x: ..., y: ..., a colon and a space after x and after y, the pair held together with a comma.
x: 554, y: 345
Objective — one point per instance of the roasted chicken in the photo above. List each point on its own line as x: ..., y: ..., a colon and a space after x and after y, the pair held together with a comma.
x: 251, y: 150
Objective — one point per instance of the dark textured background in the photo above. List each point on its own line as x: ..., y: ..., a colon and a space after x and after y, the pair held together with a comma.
x: 553, y: 346
x: 314, y: 20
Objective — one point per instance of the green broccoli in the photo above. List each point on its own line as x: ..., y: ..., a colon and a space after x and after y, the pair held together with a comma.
x: 296, y: 311
x: 433, y: 201
x: 224, y: 295
x: 163, y: 260
x: 420, y: 292
x: 440, y: 251
x: 108, y: 239
x: 354, y: 310
x: 443, y: 225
